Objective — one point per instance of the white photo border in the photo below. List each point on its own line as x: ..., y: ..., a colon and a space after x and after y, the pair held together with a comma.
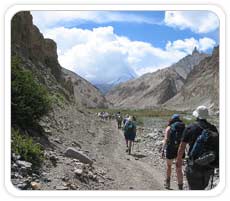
x: 89, y: 193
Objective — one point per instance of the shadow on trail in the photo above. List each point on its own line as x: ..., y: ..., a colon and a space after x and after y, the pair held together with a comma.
x: 138, y: 155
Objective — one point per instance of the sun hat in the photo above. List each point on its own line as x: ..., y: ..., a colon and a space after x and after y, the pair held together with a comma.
x: 201, y: 112
x: 175, y: 116
x: 130, y: 118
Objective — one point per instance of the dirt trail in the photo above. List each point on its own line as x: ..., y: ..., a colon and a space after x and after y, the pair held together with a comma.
x: 126, y: 171
x: 104, y: 143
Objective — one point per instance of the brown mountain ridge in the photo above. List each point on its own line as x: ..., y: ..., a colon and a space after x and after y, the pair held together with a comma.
x: 154, y: 89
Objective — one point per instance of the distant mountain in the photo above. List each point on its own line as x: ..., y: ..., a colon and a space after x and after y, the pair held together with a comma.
x: 154, y: 89
x: 105, y: 87
x: 201, y: 86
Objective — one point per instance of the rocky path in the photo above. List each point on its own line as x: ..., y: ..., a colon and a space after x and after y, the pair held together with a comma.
x: 103, y: 143
x: 127, y: 171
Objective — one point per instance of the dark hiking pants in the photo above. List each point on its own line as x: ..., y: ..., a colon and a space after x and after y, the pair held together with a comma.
x: 198, y: 179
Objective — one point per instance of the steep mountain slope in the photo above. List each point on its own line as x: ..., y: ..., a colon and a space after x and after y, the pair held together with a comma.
x: 201, y: 86
x: 186, y: 64
x: 154, y: 89
x: 84, y: 92
x: 40, y: 56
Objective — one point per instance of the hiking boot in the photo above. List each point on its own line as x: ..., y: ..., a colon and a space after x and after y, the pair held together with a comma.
x: 167, y: 183
x: 180, y: 186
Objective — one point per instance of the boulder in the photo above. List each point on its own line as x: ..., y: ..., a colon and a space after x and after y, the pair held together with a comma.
x: 35, y: 186
x: 15, y: 157
x: 24, y: 164
x: 22, y: 185
x: 152, y: 135
x: 73, y: 153
x: 61, y: 188
x: 78, y: 172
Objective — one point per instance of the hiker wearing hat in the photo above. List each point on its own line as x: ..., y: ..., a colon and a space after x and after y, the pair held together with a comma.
x: 203, y: 140
x: 171, y: 142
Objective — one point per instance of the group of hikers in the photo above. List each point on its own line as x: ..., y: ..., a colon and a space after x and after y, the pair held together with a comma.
x: 104, y: 115
x: 198, y: 143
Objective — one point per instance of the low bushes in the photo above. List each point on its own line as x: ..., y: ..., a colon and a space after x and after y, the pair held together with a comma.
x: 29, y: 99
x: 25, y: 147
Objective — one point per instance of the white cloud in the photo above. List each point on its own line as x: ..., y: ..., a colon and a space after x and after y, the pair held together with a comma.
x: 102, y: 55
x: 187, y: 45
x: 206, y: 43
x: 48, y: 19
x: 197, y: 21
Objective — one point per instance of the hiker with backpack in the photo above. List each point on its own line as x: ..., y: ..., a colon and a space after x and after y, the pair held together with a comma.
x: 125, y: 119
x: 171, y: 142
x: 130, y: 132
x: 124, y: 122
x: 119, y: 119
x: 203, y: 140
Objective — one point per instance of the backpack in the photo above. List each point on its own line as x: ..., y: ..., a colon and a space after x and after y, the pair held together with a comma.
x: 205, y: 151
x: 119, y: 118
x: 175, y: 133
x: 129, y: 127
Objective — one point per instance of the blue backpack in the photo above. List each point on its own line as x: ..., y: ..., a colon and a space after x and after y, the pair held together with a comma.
x: 129, y: 127
x: 175, y: 134
x: 205, y: 151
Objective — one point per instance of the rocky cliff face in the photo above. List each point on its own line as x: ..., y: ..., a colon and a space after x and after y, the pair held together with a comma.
x: 201, y: 86
x: 28, y: 42
x: 154, y: 89
x: 40, y: 56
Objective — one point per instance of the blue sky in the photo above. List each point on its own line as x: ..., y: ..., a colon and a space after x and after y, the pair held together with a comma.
x: 105, y: 45
x: 157, y: 33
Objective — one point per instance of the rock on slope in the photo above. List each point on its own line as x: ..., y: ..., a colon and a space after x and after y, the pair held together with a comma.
x: 201, y: 86
x: 40, y: 56
x: 154, y: 89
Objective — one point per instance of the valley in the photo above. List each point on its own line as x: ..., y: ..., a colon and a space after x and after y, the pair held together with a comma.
x: 68, y: 146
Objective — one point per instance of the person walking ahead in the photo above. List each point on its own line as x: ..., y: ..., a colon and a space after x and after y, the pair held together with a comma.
x: 203, y: 140
x: 173, y: 134
x: 130, y: 132
x: 119, y: 120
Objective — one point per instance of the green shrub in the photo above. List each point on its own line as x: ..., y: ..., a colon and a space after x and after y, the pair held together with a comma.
x: 57, y: 98
x: 29, y: 99
x: 27, y: 149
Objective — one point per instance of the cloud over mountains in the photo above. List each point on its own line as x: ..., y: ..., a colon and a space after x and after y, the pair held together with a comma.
x: 101, y: 55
